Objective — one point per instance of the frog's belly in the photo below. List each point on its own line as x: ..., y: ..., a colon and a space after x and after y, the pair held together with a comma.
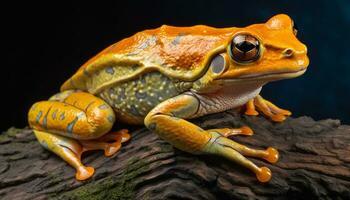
x: 133, y: 99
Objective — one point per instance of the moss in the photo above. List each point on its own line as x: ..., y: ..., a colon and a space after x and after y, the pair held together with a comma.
x: 3, y: 138
x: 165, y: 148
x: 111, y: 188
x: 11, y: 132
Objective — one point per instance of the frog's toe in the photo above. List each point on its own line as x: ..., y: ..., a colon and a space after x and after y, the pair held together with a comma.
x: 245, y: 130
x: 263, y: 174
x: 250, y: 108
x: 227, y: 132
x: 278, y: 118
x: 111, y: 149
x: 272, y: 155
x: 125, y: 136
x: 271, y: 111
x: 84, y: 173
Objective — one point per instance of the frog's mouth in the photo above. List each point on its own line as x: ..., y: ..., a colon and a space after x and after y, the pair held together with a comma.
x: 272, y: 76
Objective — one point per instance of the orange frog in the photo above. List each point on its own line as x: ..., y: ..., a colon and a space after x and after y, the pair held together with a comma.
x: 165, y: 76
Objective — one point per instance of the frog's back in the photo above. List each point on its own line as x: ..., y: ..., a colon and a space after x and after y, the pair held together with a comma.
x: 176, y: 52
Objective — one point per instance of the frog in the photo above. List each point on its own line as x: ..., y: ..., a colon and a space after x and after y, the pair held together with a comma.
x: 164, y: 77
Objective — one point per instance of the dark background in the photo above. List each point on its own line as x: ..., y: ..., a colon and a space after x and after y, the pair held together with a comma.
x: 46, y: 43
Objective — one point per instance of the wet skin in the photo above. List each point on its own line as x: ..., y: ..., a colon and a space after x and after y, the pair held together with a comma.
x: 165, y: 76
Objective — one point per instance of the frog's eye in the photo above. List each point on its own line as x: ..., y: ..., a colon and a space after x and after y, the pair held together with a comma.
x: 218, y: 64
x: 245, y: 48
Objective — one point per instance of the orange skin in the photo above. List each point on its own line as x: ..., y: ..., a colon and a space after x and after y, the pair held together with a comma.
x: 212, y: 69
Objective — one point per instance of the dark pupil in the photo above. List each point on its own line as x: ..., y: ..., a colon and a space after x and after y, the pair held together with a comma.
x: 245, y: 46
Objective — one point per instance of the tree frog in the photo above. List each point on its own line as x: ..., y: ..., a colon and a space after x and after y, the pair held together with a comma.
x: 162, y: 78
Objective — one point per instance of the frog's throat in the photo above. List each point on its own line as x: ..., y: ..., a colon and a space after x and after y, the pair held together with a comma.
x: 225, y: 98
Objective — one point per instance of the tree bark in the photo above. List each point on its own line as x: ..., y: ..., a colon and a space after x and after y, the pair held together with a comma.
x: 314, y: 164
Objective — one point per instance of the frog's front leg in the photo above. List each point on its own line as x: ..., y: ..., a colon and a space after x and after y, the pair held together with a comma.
x: 267, y: 108
x: 72, y: 122
x: 168, y: 121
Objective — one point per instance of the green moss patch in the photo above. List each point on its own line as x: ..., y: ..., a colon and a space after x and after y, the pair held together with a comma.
x: 111, y: 188
x: 11, y: 132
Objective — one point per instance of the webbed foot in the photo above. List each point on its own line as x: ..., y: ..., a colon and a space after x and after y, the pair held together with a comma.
x: 110, y: 143
x: 234, y: 151
x: 267, y: 108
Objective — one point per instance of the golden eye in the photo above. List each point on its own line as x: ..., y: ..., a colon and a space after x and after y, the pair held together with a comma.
x: 245, y: 48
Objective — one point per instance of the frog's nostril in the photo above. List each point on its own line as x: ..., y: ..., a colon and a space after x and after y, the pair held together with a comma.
x: 288, y: 52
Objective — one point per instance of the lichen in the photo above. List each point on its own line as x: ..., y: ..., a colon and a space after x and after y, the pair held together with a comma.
x: 11, y: 132
x: 111, y: 188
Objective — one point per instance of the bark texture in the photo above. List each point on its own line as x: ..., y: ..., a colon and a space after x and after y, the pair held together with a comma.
x: 314, y: 164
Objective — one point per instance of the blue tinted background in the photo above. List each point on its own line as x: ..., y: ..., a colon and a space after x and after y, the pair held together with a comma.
x: 46, y: 43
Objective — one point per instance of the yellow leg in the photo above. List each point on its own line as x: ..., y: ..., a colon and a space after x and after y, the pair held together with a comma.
x: 78, y: 115
x: 72, y: 122
x: 168, y: 121
x: 267, y: 108
x: 68, y: 149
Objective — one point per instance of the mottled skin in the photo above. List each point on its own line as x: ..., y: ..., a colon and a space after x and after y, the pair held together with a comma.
x: 163, y: 77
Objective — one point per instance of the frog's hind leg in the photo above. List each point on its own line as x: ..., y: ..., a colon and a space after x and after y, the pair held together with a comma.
x: 68, y: 149
x: 110, y: 142
x: 66, y: 120
x: 121, y: 135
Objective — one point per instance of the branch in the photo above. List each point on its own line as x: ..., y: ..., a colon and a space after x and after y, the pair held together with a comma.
x: 314, y: 164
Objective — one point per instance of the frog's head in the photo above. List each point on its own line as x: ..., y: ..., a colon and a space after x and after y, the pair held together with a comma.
x: 258, y: 54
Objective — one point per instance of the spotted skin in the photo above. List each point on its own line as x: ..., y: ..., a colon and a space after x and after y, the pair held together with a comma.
x: 134, y: 99
x: 75, y: 112
x: 45, y: 119
x: 53, y: 116
x: 62, y: 116
x: 38, y: 116
x: 70, y: 126
x: 110, y: 70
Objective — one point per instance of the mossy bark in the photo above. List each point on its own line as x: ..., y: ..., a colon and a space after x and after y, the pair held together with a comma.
x: 314, y: 164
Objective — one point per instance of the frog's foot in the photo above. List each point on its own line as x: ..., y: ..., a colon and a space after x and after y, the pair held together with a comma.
x: 121, y: 135
x: 267, y: 108
x: 227, y: 132
x: 68, y: 149
x: 234, y: 151
x: 110, y: 142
